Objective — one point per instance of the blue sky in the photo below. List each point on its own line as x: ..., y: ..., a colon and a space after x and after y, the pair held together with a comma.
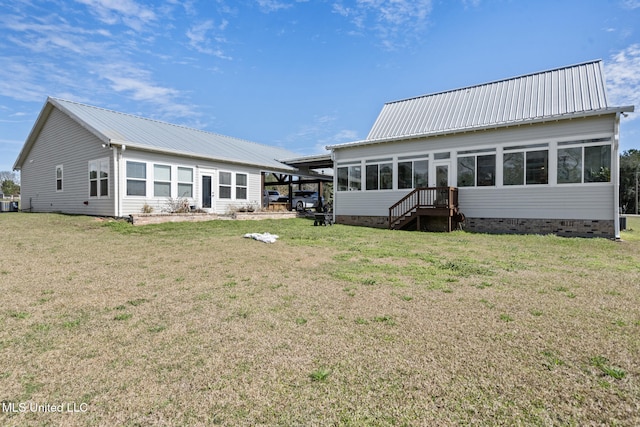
x: 299, y: 74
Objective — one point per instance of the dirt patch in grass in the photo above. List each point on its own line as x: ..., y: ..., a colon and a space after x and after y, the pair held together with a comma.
x: 190, y: 324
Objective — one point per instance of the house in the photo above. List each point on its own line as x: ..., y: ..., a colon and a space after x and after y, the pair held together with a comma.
x: 536, y: 153
x: 87, y: 160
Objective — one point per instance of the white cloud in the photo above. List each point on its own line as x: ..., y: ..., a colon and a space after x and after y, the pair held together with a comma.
x: 201, y: 42
x: 138, y: 84
x: 393, y: 21
x: 272, y: 5
x: 130, y: 13
x: 622, y: 72
x: 19, y: 81
x: 631, y: 4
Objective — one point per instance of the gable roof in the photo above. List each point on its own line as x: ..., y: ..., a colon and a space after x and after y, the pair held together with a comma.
x: 116, y: 128
x: 572, y: 91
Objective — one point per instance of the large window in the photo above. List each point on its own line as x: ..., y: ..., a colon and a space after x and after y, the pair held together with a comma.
x: 526, y: 165
x: 225, y: 185
x: 59, y: 178
x: 584, y: 163
x: 136, y: 179
x: 185, y: 182
x: 475, y: 169
x: 413, y: 173
x: 162, y: 180
x: 349, y: 178
x: 241, y: 186
x: 379, y: 174
x: 99, y: 178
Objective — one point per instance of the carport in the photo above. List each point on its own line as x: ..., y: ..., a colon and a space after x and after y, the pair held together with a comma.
x: 316, y: 170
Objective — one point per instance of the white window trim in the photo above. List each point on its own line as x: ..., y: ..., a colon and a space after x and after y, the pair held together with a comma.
x: 146, y: 180
x: 98, y: 179
x: 178, y: 181
x: 162, y: 181
x: 377, y: 162
x: 61, y: 179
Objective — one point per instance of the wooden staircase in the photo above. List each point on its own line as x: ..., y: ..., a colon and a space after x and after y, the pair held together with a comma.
x: 416, y: 207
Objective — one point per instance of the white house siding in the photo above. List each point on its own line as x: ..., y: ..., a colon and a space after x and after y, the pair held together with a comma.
x: 135, y: 204
x: 588, y: 202
x: 63, y: 142
x: 592, y: 201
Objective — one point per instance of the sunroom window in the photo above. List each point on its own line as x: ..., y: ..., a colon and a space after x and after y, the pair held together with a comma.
x: 475, y: 169
x: 413, y: 173
x: 349, y: 178
x: 526, y: 165
x: 585, y: 163
x: 136, y: 179
x: 379, y: 174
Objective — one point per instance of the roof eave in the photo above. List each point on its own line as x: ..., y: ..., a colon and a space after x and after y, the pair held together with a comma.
x: 148, y: 149
x: 601, y: 112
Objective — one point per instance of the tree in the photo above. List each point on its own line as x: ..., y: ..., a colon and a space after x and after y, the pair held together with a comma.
x: 10, y: 183
x: 629, y: 166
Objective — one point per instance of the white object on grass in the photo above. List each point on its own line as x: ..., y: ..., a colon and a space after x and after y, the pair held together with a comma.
x: 262, y: 237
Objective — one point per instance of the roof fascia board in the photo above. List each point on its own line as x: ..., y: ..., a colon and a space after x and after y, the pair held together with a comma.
x: 33, y: 134
x: 612, y: 110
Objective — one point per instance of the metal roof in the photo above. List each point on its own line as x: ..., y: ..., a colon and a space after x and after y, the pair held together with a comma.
x: 147, y: 134
x: 576, y: 90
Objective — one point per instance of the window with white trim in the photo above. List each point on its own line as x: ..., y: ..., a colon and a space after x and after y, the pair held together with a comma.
x: 477, y: 169
x: 241, y: 186
x: 185, y: 182
x: 349, y: 178
x: 525, y: 165
x: 136, y: 178
x: 379, y: 174
x: 413, y: 172
x: 584, y: 161
x: 59, y: 178
x: 99, y: 178
x: 224, y: 179
x: 161, y: 180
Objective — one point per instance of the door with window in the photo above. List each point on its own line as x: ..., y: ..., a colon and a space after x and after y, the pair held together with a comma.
x: 441, y: 170
x: 207, y: 193
x: 441, y: 173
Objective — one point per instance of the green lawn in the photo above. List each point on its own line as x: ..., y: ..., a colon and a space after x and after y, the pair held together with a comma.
x: 192, y: 324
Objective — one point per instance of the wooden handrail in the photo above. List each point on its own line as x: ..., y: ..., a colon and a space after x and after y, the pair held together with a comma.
x: 425, y: 197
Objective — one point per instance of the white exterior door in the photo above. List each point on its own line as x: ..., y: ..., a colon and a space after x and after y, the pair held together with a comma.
x: 441, y: 173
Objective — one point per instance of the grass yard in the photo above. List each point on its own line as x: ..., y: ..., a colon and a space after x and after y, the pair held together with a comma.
x: 191, y: 324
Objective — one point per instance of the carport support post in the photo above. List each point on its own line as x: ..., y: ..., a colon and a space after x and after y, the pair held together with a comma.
x: 265, y: 200
x: 290, y: 191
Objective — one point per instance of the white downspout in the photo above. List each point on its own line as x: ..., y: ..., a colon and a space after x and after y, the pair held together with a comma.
x: 116, y: 184
x: 335, y: 184
x: 615, y: 176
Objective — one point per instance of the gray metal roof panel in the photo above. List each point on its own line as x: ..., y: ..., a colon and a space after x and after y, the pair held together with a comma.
x: 166, y: 137
x: 564, y: 91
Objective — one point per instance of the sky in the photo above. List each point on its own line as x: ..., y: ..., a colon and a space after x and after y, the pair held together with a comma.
x: 298, y: 74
